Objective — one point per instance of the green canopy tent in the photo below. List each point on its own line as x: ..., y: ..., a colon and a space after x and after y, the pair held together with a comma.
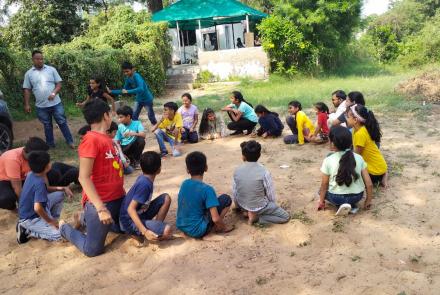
x: 198, y: 14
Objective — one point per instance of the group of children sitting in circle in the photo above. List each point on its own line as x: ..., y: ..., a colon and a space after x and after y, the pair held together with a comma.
x: 108, y: 151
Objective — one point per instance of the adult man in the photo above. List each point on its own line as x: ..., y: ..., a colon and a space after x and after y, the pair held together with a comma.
x: 136, y: 85
x: 45, y: 83
x: 338, y: 100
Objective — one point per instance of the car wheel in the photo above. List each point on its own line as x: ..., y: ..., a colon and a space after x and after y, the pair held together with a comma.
x: 5, y: 138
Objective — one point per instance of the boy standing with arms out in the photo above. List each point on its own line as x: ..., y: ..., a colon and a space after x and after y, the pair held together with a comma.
x: 199, y: 210
x: 169, y: 129
x: 130, y: 135
x: 101, y: 177
x: 135, y: 84
x: 138, y: 210
x: 39, y: 210
x: 253, y: 188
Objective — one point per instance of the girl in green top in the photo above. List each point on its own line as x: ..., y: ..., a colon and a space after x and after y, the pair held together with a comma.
x: 242, y: 114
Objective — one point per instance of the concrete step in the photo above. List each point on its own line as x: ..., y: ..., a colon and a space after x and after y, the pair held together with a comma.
x: 175, y: 80
x: 183, y: 69
x: 188, y: 86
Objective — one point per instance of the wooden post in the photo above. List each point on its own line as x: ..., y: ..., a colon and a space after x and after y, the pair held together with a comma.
x: 233, y: 35
x: 201, y: 36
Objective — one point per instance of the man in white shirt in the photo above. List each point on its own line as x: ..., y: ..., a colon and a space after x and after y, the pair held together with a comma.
x: 338, y: 100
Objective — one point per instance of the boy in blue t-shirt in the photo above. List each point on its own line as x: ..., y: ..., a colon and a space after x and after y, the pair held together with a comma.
x: 39, y: 210
x: 199, y: 210
x: 138, y: 210
x: 130, y: 135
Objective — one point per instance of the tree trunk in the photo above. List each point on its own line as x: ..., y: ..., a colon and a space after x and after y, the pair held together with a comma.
x: 154, y: 5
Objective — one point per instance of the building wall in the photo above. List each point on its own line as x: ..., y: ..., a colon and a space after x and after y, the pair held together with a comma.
x: 245, y: 62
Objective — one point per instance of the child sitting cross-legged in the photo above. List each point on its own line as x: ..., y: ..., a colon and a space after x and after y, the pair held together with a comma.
x: 169, y: 129
x: 130, y: 135
x: 344, y: 175
x: 253, y: 188
x: 38, y: 209
x: 199, y: 210
x: 140, y: 215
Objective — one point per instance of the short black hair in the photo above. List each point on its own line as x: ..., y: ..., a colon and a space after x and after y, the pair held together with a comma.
x: 196, y: 163
x: 83, y: 130
x: 113, y: 127
x: 125, y: 111
x: 251, y: 150
x: 94, y: 111
x: 171, y: 105
x: 38, y: 161
x: 340, y: 94
x: 150, y: 162
x: 126, y: 65
x: 187, y: 95
x: 35, y: 144
x: 34, y: 52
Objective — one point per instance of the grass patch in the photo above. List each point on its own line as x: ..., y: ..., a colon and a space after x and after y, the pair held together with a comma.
x: 396, y: 169
x: 338, y: 226
x: 302, y: 217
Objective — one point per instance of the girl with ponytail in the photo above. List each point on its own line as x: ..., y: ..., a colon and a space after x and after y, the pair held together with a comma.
x: 321, y: 131
x: 366, y: 138
x: 270, y: 123
x: 241, y: 113
x: 298, y: 122
x: 344, y: 175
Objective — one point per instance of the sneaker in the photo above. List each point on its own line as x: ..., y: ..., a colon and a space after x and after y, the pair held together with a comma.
x: 354, y: 210
x: 163, y: 154
x: 343, y: 210
x: 22, y: 236
x: 238, y: 132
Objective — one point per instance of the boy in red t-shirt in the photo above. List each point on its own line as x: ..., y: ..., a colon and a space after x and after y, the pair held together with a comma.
x: 101, y: 177
x: 321, y: 131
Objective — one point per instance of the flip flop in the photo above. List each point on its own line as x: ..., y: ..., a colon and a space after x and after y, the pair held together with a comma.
x: 343, y: 210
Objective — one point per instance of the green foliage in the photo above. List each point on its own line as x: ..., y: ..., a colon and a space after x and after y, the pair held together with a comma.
x: 385, y: 43
x: 306, y: 35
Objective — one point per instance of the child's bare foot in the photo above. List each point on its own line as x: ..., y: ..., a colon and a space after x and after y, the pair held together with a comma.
x: 61, y: 223
x: 150, y: 236
x: 228, y: 228
x: 77, y: 220
x: 384, y: 182
x: 253, y: 217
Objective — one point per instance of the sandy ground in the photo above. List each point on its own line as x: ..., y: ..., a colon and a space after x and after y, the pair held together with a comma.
x: 391, y: 249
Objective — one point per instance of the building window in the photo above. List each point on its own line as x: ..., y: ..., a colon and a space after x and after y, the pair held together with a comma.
x: 188, y: 37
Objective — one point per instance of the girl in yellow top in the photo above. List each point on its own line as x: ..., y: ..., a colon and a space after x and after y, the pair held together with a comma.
x: 366, y: 135
x: 299, y: 123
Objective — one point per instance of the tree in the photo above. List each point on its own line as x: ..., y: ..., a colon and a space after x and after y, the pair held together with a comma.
x: 154, y: 5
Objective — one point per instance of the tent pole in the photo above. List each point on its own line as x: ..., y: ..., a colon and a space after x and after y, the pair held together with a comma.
x: 247, y: 24
x: 233, y: 35
x: 201, y: 35
x: 178, y: 41
x: 216, y: 36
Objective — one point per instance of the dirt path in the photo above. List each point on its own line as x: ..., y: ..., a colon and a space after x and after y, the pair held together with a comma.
x: 390, y: 249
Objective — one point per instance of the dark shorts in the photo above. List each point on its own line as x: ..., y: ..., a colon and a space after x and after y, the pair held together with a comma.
x: 225, y: 201
x: 156, y: 226
x: 339, y: 199
x: 376, y: 179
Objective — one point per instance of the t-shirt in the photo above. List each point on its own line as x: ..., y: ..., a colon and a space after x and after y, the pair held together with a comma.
x: 371, y: 154
x: 342, y: 118
x: 247, y: 111
x: 194, y: 200
x: 322, y: 119
x: 134, y: 126
x: 34, y: 191
x: 330, y: 167
x: 188, y: 115
x: 98, y: 94
x: 303, y: 122
x: 168, y: 126
x: 42, y: 82
x: 107, y: 173
x: 141, y: 192
x: 136, y: 85
x: 13, y: 166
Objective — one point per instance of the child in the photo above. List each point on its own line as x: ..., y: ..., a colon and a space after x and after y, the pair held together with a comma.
x: 38, y: 209
x: 344, y: 175
x: 354, y: 97
x: 97, y: 90
x: 321, y: 131
x: 130, y: 135
x: 190, y: 117
x: 365, y: 136
x: 253, y: 188
x: 211, y: 126
x: 241, y: 113
x: 270, y: 123
x: 135, y: 84
x: 111, y: 132
x: 102, y: 179
x: 169, y: 129
x: 199, y: 210
x: 138, y: 210
x: 299, y: 124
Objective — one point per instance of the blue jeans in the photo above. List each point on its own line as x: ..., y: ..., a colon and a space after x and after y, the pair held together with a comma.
x: 191, y: 137
x: 92, y: 243
x: 57, y: 112
x: 161, y: 137
x: 148, y: 105
x: 339, y: 199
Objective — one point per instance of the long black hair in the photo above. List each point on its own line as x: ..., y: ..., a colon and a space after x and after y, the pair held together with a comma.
x: 101, y: 82
x: 295, y: 104
x: 357, y: 97
x: 260, y: 109
x: 370, y: 123
x: 342, y: 140
x: 238, y: 96
x: 322, y: 107
x: 204, y: 126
